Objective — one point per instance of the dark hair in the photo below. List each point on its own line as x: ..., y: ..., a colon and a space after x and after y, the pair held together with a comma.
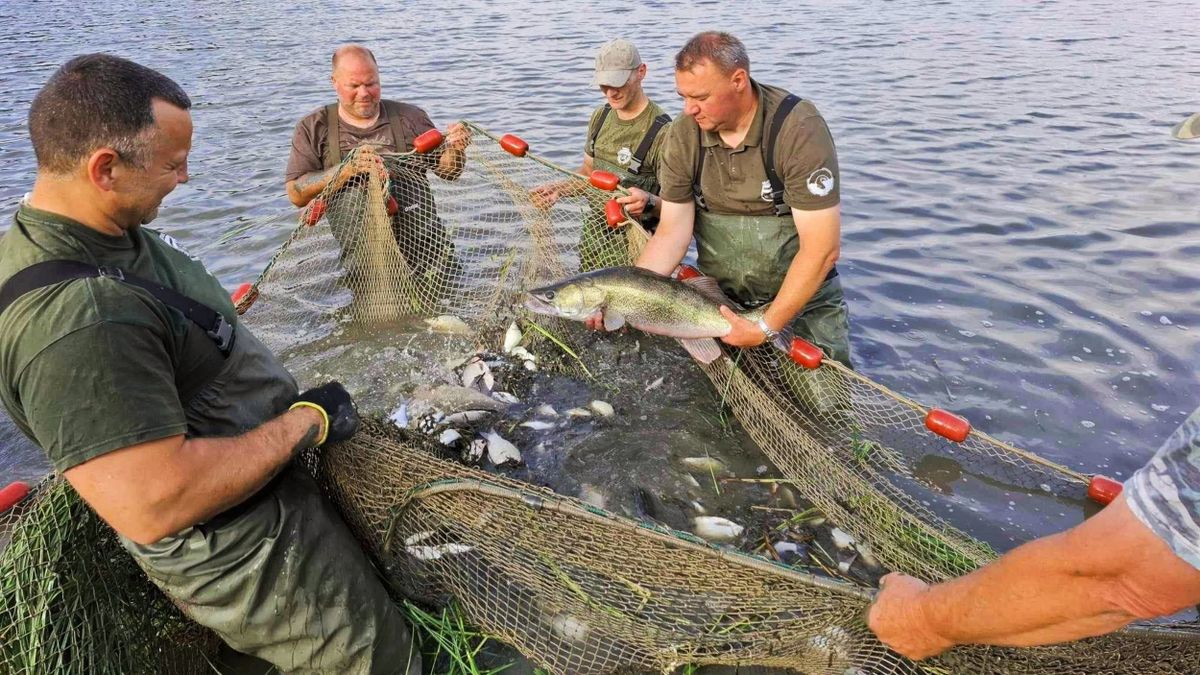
x: 96, y: 101
x: 725, y: 51
x: 352, y: 49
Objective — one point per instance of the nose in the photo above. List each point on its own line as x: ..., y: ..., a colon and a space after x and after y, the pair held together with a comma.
x: 690, y: 109
x: 181, y: 176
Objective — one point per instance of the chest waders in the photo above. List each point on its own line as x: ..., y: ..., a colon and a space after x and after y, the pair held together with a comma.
x: 750, y: 255
x: 599, y: 245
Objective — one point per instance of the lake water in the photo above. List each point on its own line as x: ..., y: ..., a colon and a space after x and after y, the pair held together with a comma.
x: 1018, y: 226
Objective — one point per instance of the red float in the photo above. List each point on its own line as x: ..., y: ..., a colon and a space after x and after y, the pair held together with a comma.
x: 11, y: 495
x: 392, y: 205
x: 604, y: 180
x: 947, y: 425
x: 805, y: 353
x: 1102, y: 489
x: 241, y: 292
x: 614, y: 214
x: 687, y: 272
x: 315, y: 210
x: 513, y: 145
x: 427, y: 141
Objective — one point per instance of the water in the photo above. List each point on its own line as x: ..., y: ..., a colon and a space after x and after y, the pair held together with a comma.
x: 1017, y: 221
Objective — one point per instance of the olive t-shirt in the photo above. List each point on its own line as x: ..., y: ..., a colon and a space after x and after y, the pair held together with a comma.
x: 734, y: 180
x: 94, y: 365
x: 308, y: 140
x: 618, y: 139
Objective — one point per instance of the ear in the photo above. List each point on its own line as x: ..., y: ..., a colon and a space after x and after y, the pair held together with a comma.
x: 102, y: 167
x: 642, y: 71
x: 740, y: 79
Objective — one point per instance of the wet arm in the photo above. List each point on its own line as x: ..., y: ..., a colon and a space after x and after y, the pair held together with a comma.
x: 154, y: 489
x: 1090, y: 580
x: 304, y: 189
x: 669, y: 245
x: 451, y: 164
x: 820, y: 234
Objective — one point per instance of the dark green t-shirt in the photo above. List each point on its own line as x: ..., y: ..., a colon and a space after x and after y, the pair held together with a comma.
x: 734, y: 180
x: 618, y: 139
x: 93, y: 365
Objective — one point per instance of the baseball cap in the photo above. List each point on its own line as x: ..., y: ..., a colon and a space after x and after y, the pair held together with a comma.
x: 1187, y: 129
x: 615, y: 62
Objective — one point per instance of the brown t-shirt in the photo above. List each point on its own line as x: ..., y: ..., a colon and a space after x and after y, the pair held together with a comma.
x: 308, y: 141
x: 734, y: 180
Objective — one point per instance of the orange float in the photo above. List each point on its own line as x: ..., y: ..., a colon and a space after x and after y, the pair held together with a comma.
x: 947, y: 425
x: 427, y: 141
x: 513, y: 145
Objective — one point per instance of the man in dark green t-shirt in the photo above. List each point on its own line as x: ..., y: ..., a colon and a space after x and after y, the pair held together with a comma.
x: 167, y: 416
x: 624, y: 137
x: 764, y: 240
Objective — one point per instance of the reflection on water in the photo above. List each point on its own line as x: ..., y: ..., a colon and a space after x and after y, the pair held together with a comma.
x: 1019, y: 228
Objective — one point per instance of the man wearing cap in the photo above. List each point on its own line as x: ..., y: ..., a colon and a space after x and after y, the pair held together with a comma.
x: 364, y: 122
x: 624, y: 137
x: 751, y: 172
x: 124, y: 360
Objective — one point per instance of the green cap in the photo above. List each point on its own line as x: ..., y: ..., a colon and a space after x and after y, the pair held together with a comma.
x: 1187, y: 129
x: 615, y: 62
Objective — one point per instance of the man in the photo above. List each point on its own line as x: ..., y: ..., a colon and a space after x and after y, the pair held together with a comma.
x: 1138, y: 558
x: 124, y: 360
x: 624, y: 137
x: 752, y: 174
x: 361, y: 119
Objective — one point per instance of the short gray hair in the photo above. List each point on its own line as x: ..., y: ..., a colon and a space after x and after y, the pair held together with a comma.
x: 357, y: 50
x: 725, y: 51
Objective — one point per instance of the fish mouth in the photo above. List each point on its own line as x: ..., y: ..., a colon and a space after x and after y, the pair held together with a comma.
x: 539, y: 306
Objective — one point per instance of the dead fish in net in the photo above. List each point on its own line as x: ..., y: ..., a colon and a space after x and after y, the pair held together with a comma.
x: 705, y: 464
x: 500, y: 452
x: 512, y: 338
x: 716, y: 529
x: 448, y: 324
x: 649, y: 302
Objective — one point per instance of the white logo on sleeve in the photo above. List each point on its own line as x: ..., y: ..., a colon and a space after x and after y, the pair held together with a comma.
x: 174, y: 243
x: 623, y: 156
x: 821, y: 182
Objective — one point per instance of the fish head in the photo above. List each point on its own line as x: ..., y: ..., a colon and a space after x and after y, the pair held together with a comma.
x: 575, y: 299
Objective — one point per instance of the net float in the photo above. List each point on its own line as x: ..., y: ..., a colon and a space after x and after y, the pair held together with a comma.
x: 1103, y: 490
x: 604, y: 180
x: 392, y: 205
x: 947, y: 425
x: 805, y: 353
x: 314, y: 212
x: 687, y: 272
x: 614, y: 214
x: 12, y: 494
x: 513, y: 145
x: 427, y: 141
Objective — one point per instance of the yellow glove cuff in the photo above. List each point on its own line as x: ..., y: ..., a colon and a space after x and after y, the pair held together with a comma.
x: 324, y: 418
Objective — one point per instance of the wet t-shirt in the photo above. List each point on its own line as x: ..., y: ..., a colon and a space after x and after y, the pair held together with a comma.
x: 308, y: 140
x: 734, y: 180
x: 618, y: 139
x: 1165, y: 493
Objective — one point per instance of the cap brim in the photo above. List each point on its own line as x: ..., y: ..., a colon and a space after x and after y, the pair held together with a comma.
x: 1187, y: 129
x: 611, y: 78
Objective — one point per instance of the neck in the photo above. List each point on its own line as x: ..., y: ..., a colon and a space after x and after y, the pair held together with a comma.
x: 737, y: 134
x: 361, y: 122
x: 65, y: 197
x: 640, y: 101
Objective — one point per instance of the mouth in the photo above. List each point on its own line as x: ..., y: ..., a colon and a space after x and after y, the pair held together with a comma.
x: 539, y: 306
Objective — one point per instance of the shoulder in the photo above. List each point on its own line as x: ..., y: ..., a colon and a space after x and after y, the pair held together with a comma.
x: 802, y: 121
x: 406, y: 110
x: 595, y: 118
x: 312, y: 119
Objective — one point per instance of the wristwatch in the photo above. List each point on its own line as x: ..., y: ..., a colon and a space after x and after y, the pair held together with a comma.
x: 651, y: 202
x: 767, y: 330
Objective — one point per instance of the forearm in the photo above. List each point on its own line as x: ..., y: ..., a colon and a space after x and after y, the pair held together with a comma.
x: 1040, y: 593
x: 669, y: 245
x: 305, y: 188
x: 804, y: 276
x: 206, y: 476
x: 451, y: 164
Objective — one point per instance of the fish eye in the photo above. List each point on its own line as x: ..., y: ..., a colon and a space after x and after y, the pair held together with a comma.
x: 549, y: 295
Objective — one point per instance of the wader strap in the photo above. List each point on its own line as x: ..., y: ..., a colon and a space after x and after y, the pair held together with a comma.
x: 639, y: 156
x: 697, y: 193
x: 395, y: 121
x: 781, y: 113
x: 51, y: 272
x: 596, y: 130
x: 333, y: 143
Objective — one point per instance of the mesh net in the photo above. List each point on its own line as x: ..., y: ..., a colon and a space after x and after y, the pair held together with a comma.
x: 576, y: 588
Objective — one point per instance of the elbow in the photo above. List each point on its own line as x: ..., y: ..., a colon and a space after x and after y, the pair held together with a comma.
x: 155, y: 518
x: 830, y: 259
x: 294, y: 195
x: 1139, y: 601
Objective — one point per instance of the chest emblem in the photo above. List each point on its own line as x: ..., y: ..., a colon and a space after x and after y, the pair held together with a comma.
x: 623, y: 156
x: 765, y: 193
x: 821, y: 182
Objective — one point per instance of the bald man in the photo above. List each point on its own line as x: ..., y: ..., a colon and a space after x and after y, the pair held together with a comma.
x: 362, y: 119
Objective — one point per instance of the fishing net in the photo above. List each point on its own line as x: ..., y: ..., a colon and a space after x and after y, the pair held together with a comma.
x: 414, y: 238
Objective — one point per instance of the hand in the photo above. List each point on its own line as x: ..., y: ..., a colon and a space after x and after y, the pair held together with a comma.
x: 635, y: 202
x: 457, y: 137
x: 365, y: 160
x: 897, y: 619
x: 742, y: 333
x: 335, y: 401
x: 544, y: 196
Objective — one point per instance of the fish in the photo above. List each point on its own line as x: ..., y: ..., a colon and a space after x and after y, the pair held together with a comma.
x: 705, y: 464
x: 650, y: 302
x: 448, y: 323
x: 602, y: 408
x: 537, y: 425
x: 716, y: 529
x: 512, y: 337
x: 500, y: 451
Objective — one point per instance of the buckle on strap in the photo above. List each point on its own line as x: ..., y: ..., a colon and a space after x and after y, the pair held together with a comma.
x: 222, y: 334
x: 635, y: 166
x: 111, y: 272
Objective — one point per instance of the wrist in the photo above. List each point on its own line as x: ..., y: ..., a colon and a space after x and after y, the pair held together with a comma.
x: 316, y: 415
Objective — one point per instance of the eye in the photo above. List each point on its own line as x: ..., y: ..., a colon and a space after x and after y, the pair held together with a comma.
x: 549, y: 295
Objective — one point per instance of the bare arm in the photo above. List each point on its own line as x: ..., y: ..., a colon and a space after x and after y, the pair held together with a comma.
x: 669, y: 245
x: 304, y: 189
x: 1089, y: 580
x: 820, y: 236
x: 151, y: 490
x: 547, y: 195
x: 454, y: 157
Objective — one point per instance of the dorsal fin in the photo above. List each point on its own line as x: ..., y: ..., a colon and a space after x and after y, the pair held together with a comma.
x: 710, y: 289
